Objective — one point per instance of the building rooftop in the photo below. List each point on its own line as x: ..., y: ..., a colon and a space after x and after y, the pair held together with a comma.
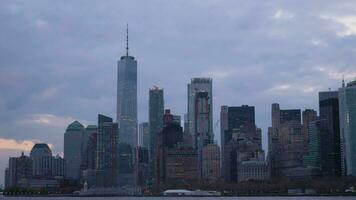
x: 75, y: 126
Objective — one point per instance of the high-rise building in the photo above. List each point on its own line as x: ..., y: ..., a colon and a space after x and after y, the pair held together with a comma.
x: 89, y: 147
x: 171, y: 137
x: 312, y: 160
x: 330, y: 156
x: 203, y: 120
x: 127, y: 98
x: 238, y: 129
x: 347, y: 114
x: 73, y: 138
x: 106, y: 151
x: 287, y: 142
x: 144, y: 135
x: 19, y: 168
x: 155, y: 117
x: 41, y: 156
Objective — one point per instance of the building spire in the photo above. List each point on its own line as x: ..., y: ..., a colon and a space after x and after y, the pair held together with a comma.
x: 127, y: 40
x: 343, y: 81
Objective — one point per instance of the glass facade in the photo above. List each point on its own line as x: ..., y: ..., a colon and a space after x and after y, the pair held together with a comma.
x: 127, y: 100
x: 347, y: 112
x: 156, y: 111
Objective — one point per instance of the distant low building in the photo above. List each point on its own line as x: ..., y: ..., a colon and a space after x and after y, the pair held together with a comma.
x: 253, y: 170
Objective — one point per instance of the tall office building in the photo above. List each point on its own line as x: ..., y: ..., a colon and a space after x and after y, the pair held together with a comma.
x: 170, y: 137
x: 41, y: 156
x: 73, y: 150
x: 236, y: 121
x: 287, y: 146
x: 203, y: 87
x: 88, y: 147
x: 347, y: 113
x: 127, y: 98
x: 144, y: 135
x: 330, y: 158
x: 19, y: 168
x: 312, y: 160
x: 106, y: 160
x: 155, y: 117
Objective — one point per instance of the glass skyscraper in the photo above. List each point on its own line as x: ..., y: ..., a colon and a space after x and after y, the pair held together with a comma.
x: 155, y: 117
x: 127, y: 99
x: 330, y: 133
x: 347, y: 112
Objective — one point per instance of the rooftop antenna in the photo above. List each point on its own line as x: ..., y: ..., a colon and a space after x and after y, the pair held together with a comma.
x: 343, y: 81
x: 127, y: 40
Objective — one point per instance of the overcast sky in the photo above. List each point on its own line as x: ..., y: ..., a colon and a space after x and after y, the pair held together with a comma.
x: 58, y: 58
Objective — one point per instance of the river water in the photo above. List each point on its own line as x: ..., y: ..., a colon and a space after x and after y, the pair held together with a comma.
x: 173, y: 198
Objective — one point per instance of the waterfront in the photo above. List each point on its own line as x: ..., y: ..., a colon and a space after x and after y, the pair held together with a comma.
x: 185, y: 198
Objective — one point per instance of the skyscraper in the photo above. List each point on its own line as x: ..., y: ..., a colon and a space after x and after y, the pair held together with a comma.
x: 155, y: 117
x: 106, y: 160
x: 127, y: 98
x: 203, y: 86
x: 41, y: 156
x: 235, y: 122
x: 330, y: 158
x: 287, y: 146
x: 347, y: 113
x: 73, y: 149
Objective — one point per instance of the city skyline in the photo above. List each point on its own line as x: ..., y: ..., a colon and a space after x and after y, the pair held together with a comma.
x: 51, y: 93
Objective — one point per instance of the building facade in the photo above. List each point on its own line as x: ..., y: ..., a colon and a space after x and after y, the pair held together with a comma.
x: 144, y: 135
x: 155, y: 117
x: 73, y: 150
x: 253, y: 170
x: 19, y: 168
x: 211, y: 162
x: 347, y: 113
x: 287, y: 145
x: 41, y: 156
x: 204, y: 87
x: 106, y: 151
x: 330, y: 133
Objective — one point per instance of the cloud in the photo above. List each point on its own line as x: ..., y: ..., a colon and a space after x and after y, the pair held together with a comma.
x: 283, y: 15
x: 49, y: 120
x: 335, y: 74
x: 25, y: 145
x: 319, y: 43
x: 348, y: 23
